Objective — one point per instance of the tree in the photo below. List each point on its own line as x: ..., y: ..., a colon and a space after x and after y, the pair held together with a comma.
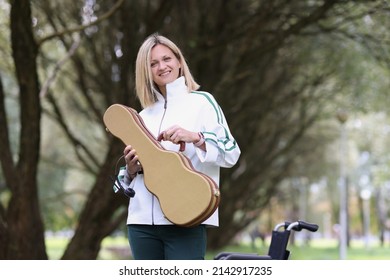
x: 21, y: 224
x: 23, y: 214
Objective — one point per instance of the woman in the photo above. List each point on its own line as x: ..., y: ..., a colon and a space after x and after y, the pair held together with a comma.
x: 174, y: 109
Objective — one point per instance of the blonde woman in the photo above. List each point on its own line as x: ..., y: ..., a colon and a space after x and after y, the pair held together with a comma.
x: 175, y: 109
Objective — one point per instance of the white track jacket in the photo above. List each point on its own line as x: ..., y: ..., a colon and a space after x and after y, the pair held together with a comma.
x: 197, y: 111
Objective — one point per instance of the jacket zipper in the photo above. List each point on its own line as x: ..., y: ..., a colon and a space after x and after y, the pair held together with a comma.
x: 163, y: 116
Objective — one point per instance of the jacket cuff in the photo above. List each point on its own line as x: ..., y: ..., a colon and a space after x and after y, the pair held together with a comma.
x: 210, y: 155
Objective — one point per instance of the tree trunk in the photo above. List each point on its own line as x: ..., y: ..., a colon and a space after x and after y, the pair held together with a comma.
x: 97, y: 219
x: 24, y: 227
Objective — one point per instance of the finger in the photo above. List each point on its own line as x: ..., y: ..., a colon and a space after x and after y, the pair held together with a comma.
x: 130, y: 155
x: 173, y: 137
x: 167, y: 135
x: 134, y: 159
x: 127, y: 149
x: 179, y: 135
x: 170, y: 131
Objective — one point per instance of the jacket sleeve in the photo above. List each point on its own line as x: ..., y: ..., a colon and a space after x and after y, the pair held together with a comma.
x: 221, y: 147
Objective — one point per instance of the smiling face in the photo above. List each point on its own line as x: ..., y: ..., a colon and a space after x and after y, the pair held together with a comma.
x: 165, y: 66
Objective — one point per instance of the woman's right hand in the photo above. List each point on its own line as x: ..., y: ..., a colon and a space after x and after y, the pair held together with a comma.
x: 132, y: 163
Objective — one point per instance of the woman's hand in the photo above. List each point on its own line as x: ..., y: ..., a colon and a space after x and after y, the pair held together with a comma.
x: 132, y: 163
x: 177, y: 135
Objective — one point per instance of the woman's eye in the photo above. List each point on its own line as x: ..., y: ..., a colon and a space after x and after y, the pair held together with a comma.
x: 167, y: 59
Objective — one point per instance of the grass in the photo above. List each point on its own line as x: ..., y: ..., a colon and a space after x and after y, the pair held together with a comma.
x: 55, y: 246
x: 115, y: 248
x: 319, y: 249
x: 112, y: 248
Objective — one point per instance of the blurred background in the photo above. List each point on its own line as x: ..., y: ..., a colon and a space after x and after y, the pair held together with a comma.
x: 304, y: 86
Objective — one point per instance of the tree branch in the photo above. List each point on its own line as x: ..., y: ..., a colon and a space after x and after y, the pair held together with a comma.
x: 82, y: 27
x: 77, y: 144
x: 58, y: 66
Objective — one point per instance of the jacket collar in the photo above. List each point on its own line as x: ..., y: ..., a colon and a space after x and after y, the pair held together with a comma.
x: 174, y: 89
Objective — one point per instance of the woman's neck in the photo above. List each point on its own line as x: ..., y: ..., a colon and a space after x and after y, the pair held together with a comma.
x: 163, y: 90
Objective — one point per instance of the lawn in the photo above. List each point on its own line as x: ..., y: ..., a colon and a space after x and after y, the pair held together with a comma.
x: 319, y: 249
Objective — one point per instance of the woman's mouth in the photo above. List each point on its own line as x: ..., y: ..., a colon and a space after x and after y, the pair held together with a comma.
x: 166, y: 73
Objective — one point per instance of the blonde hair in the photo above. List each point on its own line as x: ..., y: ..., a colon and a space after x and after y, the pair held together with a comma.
x: 144, y: 85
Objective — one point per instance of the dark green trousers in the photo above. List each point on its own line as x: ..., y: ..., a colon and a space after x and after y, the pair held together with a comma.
x: 167, y: 242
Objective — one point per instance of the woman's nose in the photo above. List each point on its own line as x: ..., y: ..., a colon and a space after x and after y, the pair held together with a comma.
x: 162, y: 65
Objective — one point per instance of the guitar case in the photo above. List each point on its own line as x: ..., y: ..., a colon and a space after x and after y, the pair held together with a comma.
x: 187, y: 197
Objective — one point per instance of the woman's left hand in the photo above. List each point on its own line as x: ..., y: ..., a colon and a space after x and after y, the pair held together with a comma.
x: 177, y: 134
